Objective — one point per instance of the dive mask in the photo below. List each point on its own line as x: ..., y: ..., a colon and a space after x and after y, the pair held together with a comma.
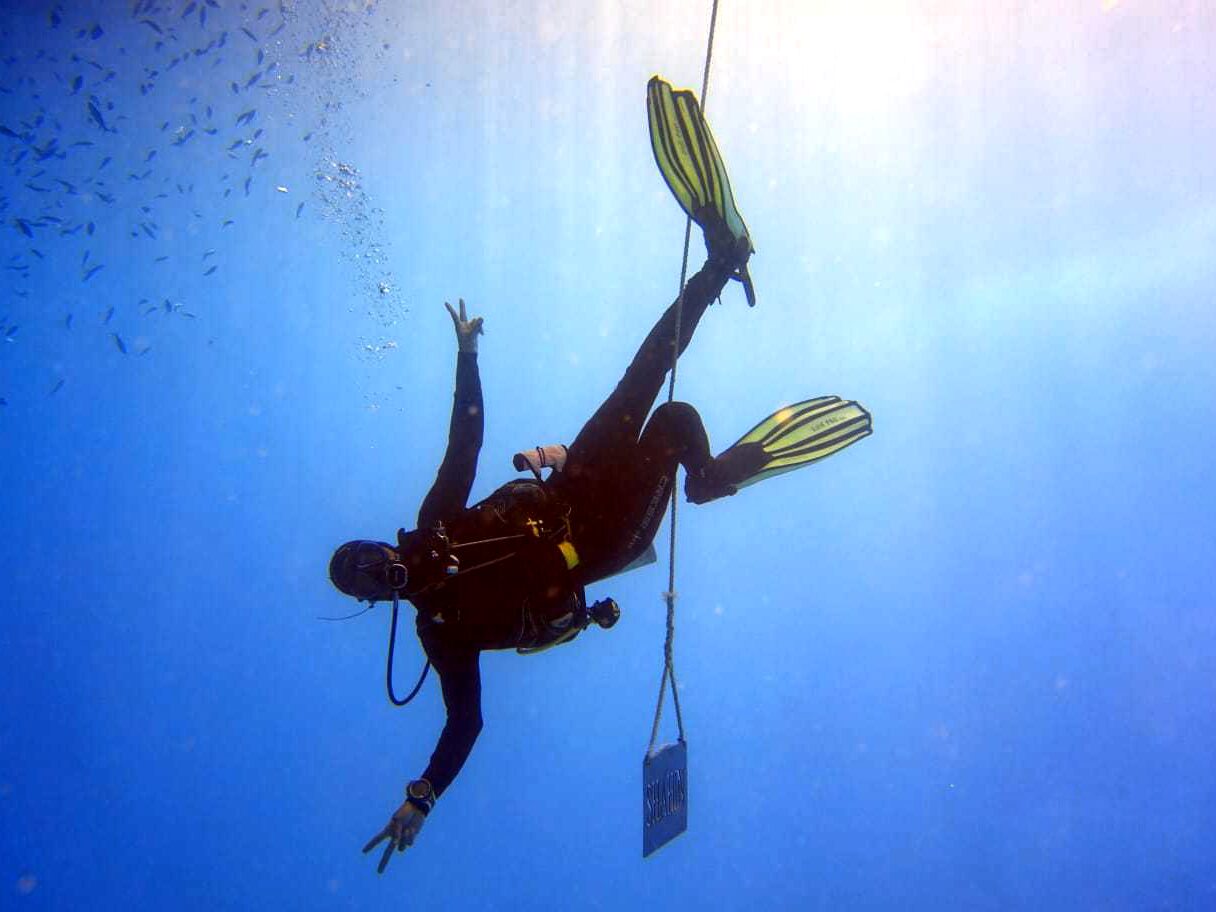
x: 368, y: 570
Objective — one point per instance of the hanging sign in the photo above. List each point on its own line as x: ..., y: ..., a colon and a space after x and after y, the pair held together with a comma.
x: 664, y: 796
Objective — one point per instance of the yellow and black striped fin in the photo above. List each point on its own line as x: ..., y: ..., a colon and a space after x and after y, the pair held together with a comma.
x: 688, y: 157
x: 806, y: 432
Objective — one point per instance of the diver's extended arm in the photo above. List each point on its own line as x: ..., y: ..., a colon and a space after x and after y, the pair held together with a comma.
x: 460, y: 679
x: 450, y: 492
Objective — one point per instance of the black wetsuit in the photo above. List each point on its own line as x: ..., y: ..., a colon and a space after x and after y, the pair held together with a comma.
x: 610, y: 498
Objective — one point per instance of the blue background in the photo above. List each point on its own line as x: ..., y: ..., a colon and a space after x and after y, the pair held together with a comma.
x: 967, y: 663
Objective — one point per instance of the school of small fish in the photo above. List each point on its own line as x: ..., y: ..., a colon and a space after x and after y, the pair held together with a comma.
x: 94, y: 184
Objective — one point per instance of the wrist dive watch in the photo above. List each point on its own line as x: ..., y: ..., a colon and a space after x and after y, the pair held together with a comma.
x: 421, y: 795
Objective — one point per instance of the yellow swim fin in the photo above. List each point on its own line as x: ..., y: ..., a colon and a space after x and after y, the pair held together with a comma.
x: 788, y: 439
x: 805, y: 432
x: 688, y: 159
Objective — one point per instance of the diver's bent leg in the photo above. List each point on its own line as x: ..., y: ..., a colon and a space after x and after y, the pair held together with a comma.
x: 674, y: 435
x: 621, y: 521
x: 619, y: 420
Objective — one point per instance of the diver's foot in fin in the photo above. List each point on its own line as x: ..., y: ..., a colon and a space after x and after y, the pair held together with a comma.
x: 723, y: 249
x: 726, y: 251
x: 700, y: 490
x: 722, y: 476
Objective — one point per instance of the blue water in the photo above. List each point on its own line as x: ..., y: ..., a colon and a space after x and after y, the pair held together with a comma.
x: 965, y: 664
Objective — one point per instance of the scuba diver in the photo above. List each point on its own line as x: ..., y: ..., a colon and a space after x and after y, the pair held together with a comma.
x: 511, y: 571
